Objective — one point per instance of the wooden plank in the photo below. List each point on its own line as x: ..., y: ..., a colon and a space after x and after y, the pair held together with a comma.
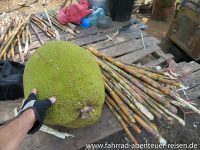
x: 187, y: 68
x: 95, y: 38
x: 159, y: 61
x: 194, y: 93
x: 40, y: 140
x: 130, y: 46
x: 139, y: 54
x: 121, y: 38
x: 105, y: 126
x: 192, y: 80
x: 94, y: 30
x: 90, y: 39
x: 63, y: 36
x: 37, y: 44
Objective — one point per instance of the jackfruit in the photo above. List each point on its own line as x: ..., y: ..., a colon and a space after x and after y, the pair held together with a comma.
x: 71, y: 74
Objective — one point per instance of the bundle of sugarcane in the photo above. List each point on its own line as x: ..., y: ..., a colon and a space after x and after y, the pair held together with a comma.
x: 57, y: 25
x: 43, y: 25
x: 15, y: 36
x: 137, y: 95
x: 69, y: 27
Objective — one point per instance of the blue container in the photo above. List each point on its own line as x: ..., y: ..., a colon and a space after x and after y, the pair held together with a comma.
x: 85, y: 23
x: 92, y: 19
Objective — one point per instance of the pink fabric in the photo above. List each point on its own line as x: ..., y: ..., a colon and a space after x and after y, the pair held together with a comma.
x: 74, y: 13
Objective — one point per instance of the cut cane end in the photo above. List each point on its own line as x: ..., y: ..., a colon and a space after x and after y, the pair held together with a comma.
x: 172, y: 109
x: 132, y: 120
x: 170, y: 120
x: 182, y: 122
x: 162, y: 141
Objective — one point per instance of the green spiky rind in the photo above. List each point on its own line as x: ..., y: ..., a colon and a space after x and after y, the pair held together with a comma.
x: 71, y: 74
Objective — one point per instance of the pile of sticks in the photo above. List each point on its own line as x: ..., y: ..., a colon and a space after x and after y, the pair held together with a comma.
x: 138, y: 95
x: 15, y: 36
x: 43, y: 25
x: 68, y: 28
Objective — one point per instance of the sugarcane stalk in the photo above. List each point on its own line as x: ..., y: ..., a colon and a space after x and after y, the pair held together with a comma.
x: 148, y: 128
x: 150, y: 69
x: 146, y: 98
x: 128, y: 91
x: 10, y: 40
x: 26, y: 48
x: 149, y: 81
x: 120, y: 103
x: 4, y: 56
x: 29, y: 34
x: 23, y: 36
x: 4, y: 42
x: 49, y: 20
x: 130, y: 69
x: 38, y: 36
x: 133, y: 140
x: 160, y: 98
x: 66, y: 29
x: 140, y: 98
x: 6, y: 37
x: 12, y: 52
x: 181, y: 121
x: 20, y: 49
x: 114, y: 84
x: 42, y: 26
x: 4, y: 33
x: 133, y: 125
x: 156, y: 77
x: 154, y: 112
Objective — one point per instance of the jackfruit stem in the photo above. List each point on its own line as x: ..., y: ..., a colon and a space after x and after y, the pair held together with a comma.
x: 85, y: 112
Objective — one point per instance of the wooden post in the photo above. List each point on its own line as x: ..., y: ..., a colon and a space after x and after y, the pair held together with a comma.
x: 162, y: 9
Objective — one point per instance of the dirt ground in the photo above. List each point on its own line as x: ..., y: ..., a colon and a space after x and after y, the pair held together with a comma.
x: 9, y: 5
x: 155, y: 28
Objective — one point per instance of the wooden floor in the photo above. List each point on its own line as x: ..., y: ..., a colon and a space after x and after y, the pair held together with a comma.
x: 128, y: 48
x: 128, y: 45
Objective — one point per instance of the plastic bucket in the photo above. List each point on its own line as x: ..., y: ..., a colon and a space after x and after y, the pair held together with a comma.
x: 121, y: 10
